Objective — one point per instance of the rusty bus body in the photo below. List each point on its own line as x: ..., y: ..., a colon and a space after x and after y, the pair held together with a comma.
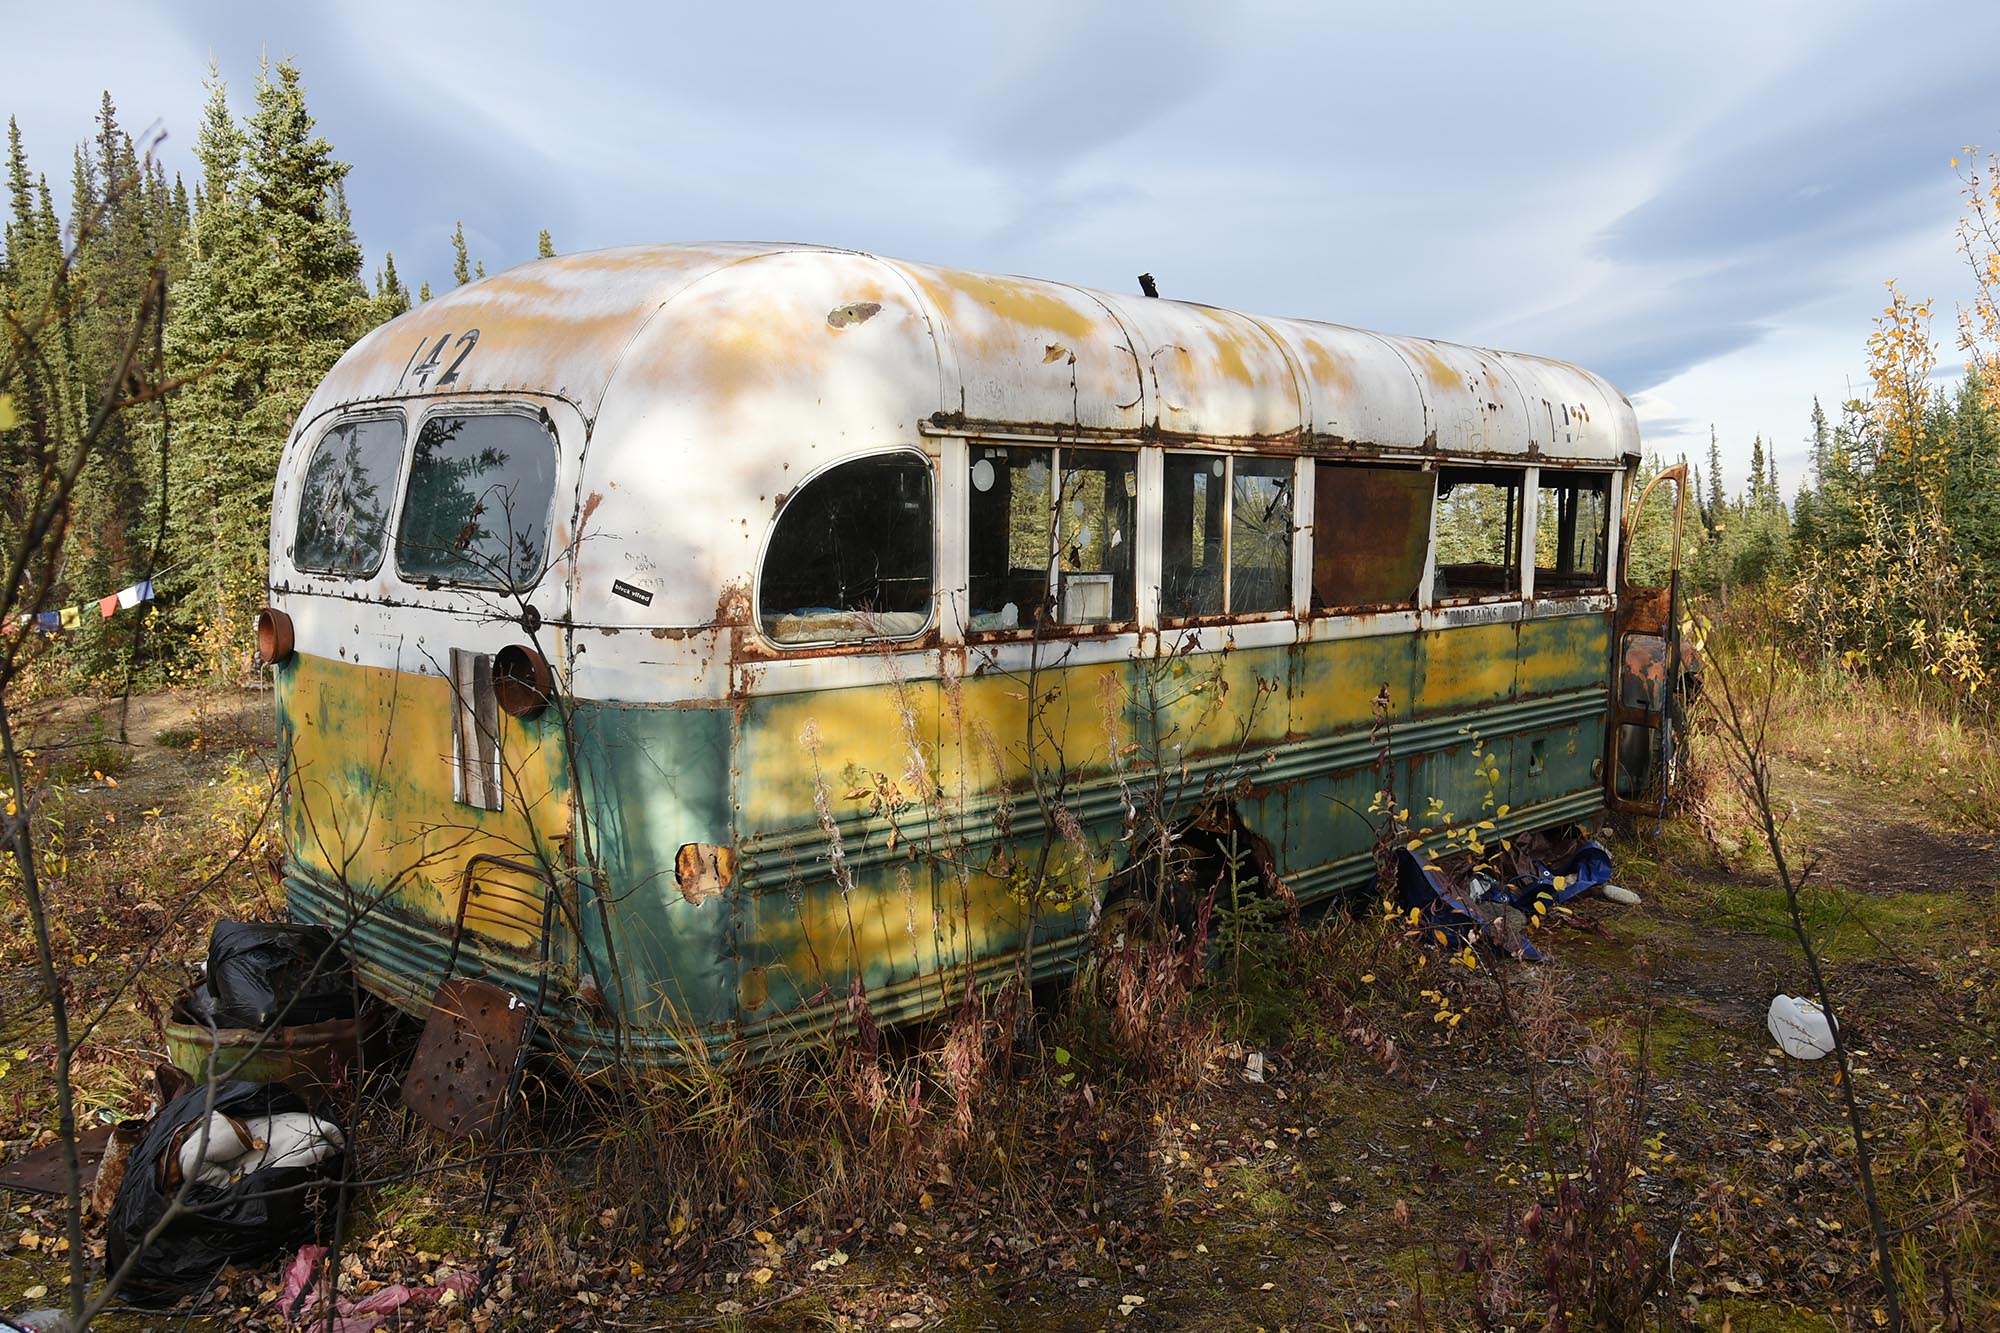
x: 594, y: 457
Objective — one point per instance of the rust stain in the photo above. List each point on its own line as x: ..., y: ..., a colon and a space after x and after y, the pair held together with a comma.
x: 860, y: 312
x: 702, y: 871
x: 590, y: 507
x: 733, y: 607
x: 1014, y: 300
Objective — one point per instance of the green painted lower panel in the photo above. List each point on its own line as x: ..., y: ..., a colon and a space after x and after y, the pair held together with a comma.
x: 824, y: 888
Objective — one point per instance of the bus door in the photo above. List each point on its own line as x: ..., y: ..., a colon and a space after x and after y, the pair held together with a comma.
x: 1647, y: 657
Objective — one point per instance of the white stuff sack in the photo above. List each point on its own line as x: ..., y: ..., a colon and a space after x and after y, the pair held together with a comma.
x: 1801, y: 1029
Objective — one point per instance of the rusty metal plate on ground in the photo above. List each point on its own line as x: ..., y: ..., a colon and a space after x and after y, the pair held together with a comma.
x: 465, y: 1059
x: 41, y: 1171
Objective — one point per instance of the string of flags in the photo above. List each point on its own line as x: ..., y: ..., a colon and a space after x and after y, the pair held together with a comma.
x: 72, y: 617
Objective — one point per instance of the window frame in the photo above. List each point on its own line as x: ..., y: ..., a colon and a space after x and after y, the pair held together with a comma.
x: 932, y: 467
x: 1549, y: 478
x: 533, y: 412
x: 1158, y: 538
x: 1051, y: 580
x: 395, y: 506
x: 1522, y: 513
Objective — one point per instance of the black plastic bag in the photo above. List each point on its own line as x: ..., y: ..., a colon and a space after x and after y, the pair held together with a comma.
x: 248, y: 1220
x: 260, y: 974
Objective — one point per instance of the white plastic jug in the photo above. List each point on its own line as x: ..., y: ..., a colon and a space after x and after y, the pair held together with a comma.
x: 1800, y: 1028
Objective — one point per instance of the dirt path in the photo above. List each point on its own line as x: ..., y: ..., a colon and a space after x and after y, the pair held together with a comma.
x: 1871, y: 837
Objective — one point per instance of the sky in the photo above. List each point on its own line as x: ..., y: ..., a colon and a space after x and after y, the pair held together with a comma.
x: 1699, y: 201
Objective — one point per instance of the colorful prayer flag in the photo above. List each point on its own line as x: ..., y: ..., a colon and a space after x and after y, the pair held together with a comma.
x: 69, y: 617
x: 49, y: 621
x: 129, y: 597
x: 106, y: 605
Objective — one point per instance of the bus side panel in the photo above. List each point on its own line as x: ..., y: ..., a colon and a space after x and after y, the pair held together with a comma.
x: 1212, y: 704
x: 376, y: 841
x: 656, y: 780
x: 846, y: 753
x: 1331, y: 765
x: 1565, y: 653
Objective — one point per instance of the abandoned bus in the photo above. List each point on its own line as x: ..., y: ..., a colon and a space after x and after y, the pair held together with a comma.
x: 680, y: 636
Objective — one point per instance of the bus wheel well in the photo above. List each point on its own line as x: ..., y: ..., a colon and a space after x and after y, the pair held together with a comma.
x: 1178, y: 874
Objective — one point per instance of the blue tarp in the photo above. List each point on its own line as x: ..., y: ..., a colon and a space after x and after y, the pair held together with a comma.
x: 1454, y: 911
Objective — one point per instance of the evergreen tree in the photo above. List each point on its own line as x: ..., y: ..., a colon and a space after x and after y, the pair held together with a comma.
x: 1820, y: 442
x: 461, y: 268
x: 424, y: 292
x: 544, y: 247
x: 1715, y: 493
x: 392, y: 298
x: 1755, y: 494
x: 273, y: 296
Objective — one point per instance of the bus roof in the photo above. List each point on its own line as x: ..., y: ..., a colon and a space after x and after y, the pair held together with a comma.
x: 973, y: 352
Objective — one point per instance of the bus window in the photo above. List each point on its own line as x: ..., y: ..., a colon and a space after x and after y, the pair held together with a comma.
x: 1012, y: 504
x: 1095, y: 512
x: 1371, y: 531
x: 1260, y: 536
x: 1040, y: 514
x: 851, y: 556
x: 1572, y: 526
x: 344, y: 504
x: 1191, y: 547
x: 477, y: 511
x: 1217, y: 558
x: 1478, y: 533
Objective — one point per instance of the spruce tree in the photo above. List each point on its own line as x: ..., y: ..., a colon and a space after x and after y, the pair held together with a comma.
x: 461, y: 268
x: 273, y: 296
x: 544, y: 247
x: 392, y: 298
x: 1821, y: 443
x: 1715, y: 491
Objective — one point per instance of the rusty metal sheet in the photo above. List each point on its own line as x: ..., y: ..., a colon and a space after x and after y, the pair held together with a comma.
x: 1375, y: 526
x: 41, y: 1171
x: 465, y: 1059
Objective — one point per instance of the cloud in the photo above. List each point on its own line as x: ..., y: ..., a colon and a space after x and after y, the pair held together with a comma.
x: 1831, y: 184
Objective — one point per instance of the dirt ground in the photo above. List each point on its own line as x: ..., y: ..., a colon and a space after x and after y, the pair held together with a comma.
x: 1341, y: 1191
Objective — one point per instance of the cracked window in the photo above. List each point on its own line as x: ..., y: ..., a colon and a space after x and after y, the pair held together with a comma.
x: 851, y: 556
x: 1225, y: 537
x: 344, y: 504
x: 477, y: 512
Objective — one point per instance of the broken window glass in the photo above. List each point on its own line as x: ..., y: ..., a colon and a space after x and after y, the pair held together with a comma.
x: 1572, y: 529
x: 1478, y: 533
x: 851, y: 557
x: 1371, y: 531
x: 477, y: 511
x: 1218, y: 558
x: 1260, y: 536
x: 1038, y: 515
x: 344, y: 504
